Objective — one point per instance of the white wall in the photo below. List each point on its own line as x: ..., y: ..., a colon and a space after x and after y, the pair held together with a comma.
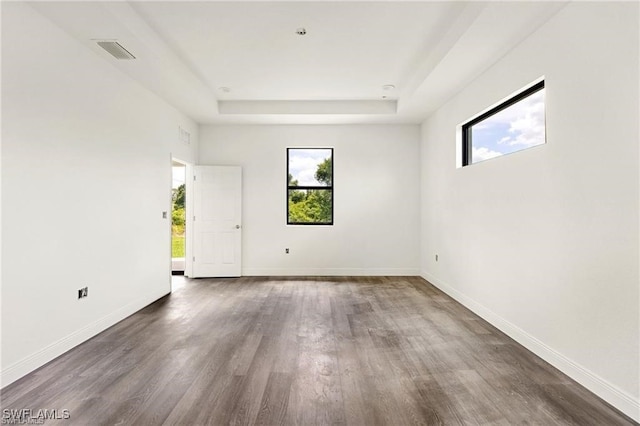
x: 544, y: 242
x: 376, y: 198
x: 85, y: 177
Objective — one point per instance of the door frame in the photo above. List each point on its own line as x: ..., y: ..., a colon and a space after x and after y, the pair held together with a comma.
x: 188, y: 208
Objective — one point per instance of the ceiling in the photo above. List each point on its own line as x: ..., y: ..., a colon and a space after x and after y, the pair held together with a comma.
x: 244, y: 62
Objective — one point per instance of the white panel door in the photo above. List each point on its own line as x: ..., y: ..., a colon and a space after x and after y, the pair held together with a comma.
x: 217, y: 227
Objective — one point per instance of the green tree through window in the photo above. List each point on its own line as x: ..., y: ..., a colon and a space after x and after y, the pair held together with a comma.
x: 178, y: 222
x: 310, y: 186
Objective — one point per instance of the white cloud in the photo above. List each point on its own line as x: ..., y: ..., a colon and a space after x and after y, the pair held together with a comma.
x: 526, y: 131
x: 178, y: 176
x: 530, y: 103
x: 483, y: 153
x: 303, y: 170
x: 526, y: 122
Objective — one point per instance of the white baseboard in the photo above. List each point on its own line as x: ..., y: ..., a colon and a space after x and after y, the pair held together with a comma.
x: 54, y: 350
x: 348, y: 272
x: 594, y: 383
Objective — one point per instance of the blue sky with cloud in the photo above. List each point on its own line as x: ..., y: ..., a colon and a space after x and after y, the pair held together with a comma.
x: 520, y: 126
x: 303, y: 164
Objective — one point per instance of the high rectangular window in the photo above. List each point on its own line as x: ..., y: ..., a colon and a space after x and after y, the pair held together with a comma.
x: 310, y: 186
x: 515, y: 124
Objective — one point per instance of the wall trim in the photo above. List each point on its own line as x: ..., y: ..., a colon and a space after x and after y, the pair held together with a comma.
x: 270, y: 272
x: 49, y: 353
x: 611, y: 394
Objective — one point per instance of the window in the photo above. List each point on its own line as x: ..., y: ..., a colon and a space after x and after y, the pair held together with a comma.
x: 310, y: 186
x: 516, y: 124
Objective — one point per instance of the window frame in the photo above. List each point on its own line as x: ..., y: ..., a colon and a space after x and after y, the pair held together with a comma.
x: 467, y: 142
x: 310, y: 187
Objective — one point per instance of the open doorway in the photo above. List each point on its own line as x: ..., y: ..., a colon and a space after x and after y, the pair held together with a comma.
x: 178, y: 218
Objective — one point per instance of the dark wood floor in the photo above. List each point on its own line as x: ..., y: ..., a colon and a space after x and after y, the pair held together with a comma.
x: 312, y: 351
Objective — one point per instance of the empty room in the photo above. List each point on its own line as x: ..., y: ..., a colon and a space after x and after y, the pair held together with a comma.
x: 314, y: 213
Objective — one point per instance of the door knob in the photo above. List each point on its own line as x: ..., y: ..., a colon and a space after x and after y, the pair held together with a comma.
x: 237, y: 226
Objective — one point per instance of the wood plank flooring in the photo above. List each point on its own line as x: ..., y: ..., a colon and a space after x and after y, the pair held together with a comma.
x: 306, y: 351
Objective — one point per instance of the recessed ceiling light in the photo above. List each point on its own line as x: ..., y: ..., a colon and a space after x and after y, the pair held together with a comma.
x: 224, y: 89
x: 388, y: 87
x: 301, y: 31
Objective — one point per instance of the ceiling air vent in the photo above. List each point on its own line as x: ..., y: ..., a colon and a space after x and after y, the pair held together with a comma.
x: 116, y: 49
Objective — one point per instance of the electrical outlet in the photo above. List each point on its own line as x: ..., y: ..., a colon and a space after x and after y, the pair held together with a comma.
x: 83, y: 292
x: 286, y: 250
